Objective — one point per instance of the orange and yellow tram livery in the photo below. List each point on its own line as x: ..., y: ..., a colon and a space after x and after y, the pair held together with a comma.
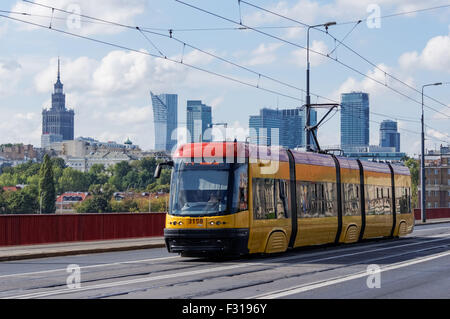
x: 236, y: 198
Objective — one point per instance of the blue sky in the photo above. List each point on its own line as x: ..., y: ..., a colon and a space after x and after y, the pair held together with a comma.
x: 109, y: 88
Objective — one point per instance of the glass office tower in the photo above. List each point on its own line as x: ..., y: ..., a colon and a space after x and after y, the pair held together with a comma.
x: 354, y: 120
x: 389, y: 136
x: 284, y: 127
x: 165, y: 117
x: 199, y: 119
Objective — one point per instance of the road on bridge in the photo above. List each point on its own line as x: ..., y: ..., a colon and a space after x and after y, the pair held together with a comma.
x: 416, y: 266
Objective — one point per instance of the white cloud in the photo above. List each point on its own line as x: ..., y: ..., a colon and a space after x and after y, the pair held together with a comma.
x: 438, y: 135
x: 3, y: 28
x: 263, y: 54
x: 435, y: 56
x: 373, y: 83
x: 20, y: 127
x: 10, y: 75
x: 440, y: 115
x: 119, y: 11
x: 216, y: 102
x: 299, y: 56
x: 130, y: 115
x: 75, y: 74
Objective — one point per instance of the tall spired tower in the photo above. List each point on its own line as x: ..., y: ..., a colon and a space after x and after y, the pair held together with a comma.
x: 57, y: 122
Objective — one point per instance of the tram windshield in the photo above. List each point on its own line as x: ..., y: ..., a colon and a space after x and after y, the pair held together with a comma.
x: 207, y: 189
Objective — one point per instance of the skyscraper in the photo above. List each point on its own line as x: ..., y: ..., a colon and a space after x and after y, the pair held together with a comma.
x: 354, y: 120
x: 284, y: 127
x: 199, y: 119
x: 389, y: 136
x: 58, y: 122
x: 165, y: 117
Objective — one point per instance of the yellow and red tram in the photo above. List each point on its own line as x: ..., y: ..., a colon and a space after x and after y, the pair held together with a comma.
x: 239, y: 198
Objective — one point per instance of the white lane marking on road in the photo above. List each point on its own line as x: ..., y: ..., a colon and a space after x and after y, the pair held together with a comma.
x: 440, y: 238
x: 173, y: 257
x: 428, y: 229
x: 203, y: 271
x: 128, y: 282
x: 337, y: 280
x: 88, y: 267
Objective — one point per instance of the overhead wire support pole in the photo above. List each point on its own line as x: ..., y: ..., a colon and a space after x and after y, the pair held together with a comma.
x: 308, y: 96
x: 422, y: 162
x: 311, y: 129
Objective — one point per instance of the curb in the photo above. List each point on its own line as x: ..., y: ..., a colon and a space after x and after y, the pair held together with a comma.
x: 79, y: 252
x: 433, y: 223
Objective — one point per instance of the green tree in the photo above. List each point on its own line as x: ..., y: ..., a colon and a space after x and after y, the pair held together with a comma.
x: 97, y: 174
x: 58, y: 162
x: 73, y: 180
x: 119, y: 172
x: 100, y: 200
x: 47, y: 192
x: 21, y: 202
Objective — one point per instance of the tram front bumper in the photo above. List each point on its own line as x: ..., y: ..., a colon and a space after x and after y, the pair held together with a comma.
x: 227, y: 241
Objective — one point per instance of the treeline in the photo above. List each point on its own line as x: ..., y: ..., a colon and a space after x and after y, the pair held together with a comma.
x: 100, y: 181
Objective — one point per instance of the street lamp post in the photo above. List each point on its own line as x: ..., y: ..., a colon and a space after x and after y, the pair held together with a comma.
x: 422, y: 170
x: 308, y: 97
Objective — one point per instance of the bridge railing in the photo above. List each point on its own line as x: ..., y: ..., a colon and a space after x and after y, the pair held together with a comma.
x: 432, y: 213
x: 44, y: 229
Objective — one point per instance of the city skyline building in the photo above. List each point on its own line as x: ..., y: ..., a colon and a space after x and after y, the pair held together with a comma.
x: 389, y: 135
x: 199, y: 120
x: 354, y: 120
x: 58, y: 121
x: 285, y: 127
x: 165, y: 118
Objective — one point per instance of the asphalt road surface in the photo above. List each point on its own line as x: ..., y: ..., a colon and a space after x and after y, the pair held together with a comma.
x: 416, y: 266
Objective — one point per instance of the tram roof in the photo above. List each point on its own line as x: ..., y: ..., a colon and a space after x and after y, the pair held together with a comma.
x: 277, y: 153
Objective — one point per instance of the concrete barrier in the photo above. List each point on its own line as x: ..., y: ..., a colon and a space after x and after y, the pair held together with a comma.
x: 43, y: 229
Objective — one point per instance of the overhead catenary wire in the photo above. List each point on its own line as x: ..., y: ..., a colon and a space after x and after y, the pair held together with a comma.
x: 158, y: 57
x: 401, y: 13
x: 184, y: 43
x: 200, y: 69
x: 352, y: 50
x: 270, y: 35
x: 311, y: 50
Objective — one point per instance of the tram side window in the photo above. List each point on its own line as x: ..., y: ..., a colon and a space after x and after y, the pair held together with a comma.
x: 351, y: 199
x: 270, y: 199
x: 303, y: 196
x: 282, y: 191
x: 316, y: 199
x: 240, y: 192
x: 387, y: 201
x: 378, y: 200
x: 330, y: 199
x: 371, y: 199
x: 403, y: 199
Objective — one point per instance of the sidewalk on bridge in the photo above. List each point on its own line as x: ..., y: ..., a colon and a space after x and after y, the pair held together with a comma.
x: 432, y: 221
x: 8, y: 253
